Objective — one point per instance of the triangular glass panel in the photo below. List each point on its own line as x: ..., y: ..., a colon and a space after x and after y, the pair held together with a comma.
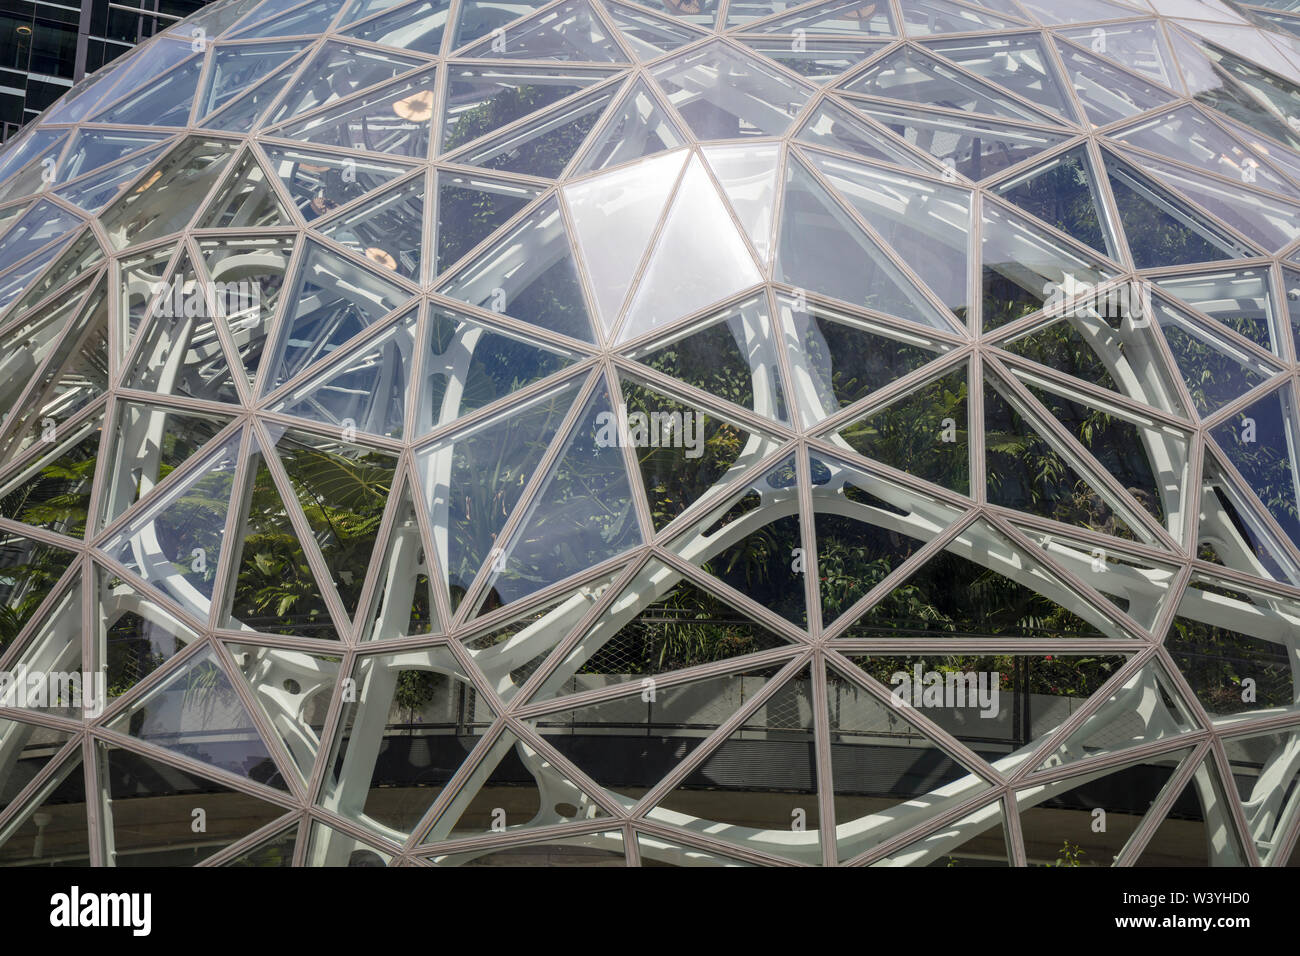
x: 424, y: 688
x: 1260, y: 442
x: 53, y: 491
x: 166, y: 101
x: 1230, y: 644
x: 1137, y: 585
x: 983, y: 585
x: 1106, y: 93
x: 978, y: 839
x: 1028, y: 472
x: 926, y: 224
x: 843, y: 358
x: 748, y: 176
x: 1023, y: 269
x: 723, y: 94
x: 172, y: 193
x: 53, y: 830
x: 924, y: 781
x: 1263, y: 768
x: 820, y: 247
x: 529, y: 274
x: 404, y: 602
x: 754, y: 543
x: 1063, y: 193
x: 416, y: 27
x: 176, y: 542
x: 92, y: 193
x: 388, y: 230
x: 343, y: 489
x: 834, y: 17
x: 471, y: 208
x: 581, y: 514
x: 321, y: 182
x: 134, y: 636
x: 1215, y: 369
x: 731, y: 354
x: 614, y: 215
x: 148, y: 803
x: 394, y: 120
x: 581, y: 732
x: 41, y: 224
x: 29, y: 570
x: 684, y: 453
x: 481, y: 99
x: 570, y: 32
x: 1143, y: 709
x: 75, y: 375
x: 473, y: 481
x: 923, y: 433
x: 48, y: 674
x: 272, y: 20
x: 275, y: 852
x: 975, y: 148
x: 471, y: 364
x: 1266, y: 220
x: 864, y: 535
x: 274, y: 588
x: 1185, y: 135
x: 261, y: 265
x: 662, y: 622
x: 22, y: 154
x: 1247, y: 92
x: 364, y: 389
x: 511, y: 652
x: 1137, y: 45
x: 77, y: 262
x: 1232, y: 530
x: 1090, y: 819
x: 28, y: 749
x: 337, y: 71
x: 18, y: 278
x: 140, y: 278
x: 331, y: 301
x: 140, y: 69
x: 181, y: 351
x: 236, y: 68
x: 1200, y: 830
x: 245, y: 200
x: 1148, y: 462
x: 540, y: 794
x: 1017, y: 63
x: 648, y: 34
x: 1085, y: 346
x: 635, y: 128
x: 93, y: 148
x: 246, y: 110
x: 778, y: 816
x: 224, y: 736
x: 834, y: 127
x: 819, y: 59
x: 913, y: 75
x: 1240, y: 300
x: 293, y: 689
x: 543, y: 146
x: 1163, y: 230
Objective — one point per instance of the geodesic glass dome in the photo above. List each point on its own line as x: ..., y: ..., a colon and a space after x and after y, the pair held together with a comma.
x: 686, y: 433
